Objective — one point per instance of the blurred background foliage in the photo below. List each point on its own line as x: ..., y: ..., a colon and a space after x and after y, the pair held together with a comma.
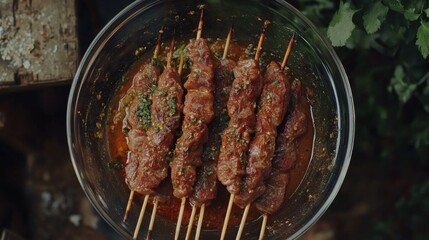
x: 384, y: 46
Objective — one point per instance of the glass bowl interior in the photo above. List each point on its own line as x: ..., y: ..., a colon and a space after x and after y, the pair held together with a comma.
x: 111, y: 55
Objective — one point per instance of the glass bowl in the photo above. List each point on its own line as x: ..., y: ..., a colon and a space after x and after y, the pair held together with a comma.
x: 113, y: 52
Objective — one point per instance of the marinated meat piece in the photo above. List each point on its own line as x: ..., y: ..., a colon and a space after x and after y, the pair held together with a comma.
x: 137, y: 117
x: 241, y: 105
x: 138, y: 110
x: 274, y: 195
x: 294, y: 127
x: 206, y: 185
x: 273, y: 104
x: 145, y: 79
x: 147, y: 168
x: 198, y: 112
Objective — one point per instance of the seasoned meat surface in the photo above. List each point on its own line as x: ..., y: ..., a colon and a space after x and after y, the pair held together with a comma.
x: 206, y: 185
x: 274, y: 194
x: 147, y: 168
x: 285, y: 158
x: 241, y: 105
x: 198, y: 112
x: 295, y: 126
x: 272, y: 106
x: 137, y: 117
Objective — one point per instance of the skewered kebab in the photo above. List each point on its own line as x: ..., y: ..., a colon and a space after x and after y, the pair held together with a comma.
x: 151, y: 169
x: 241, y: 105
x: 198, y: 113
x: 206, y: 185
x: 137, y: 120
x: 273, y: 105
x: 286, y: 156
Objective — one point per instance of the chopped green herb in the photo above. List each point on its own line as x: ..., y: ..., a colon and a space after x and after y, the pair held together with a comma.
x: 269, y: 95
x: 143, y: 112
x: 116, y: 164
x: 172, y: 106
x: 152, y: 88
x: 241, y: 158
x: 185, y: 149
x: 156, y: 62
x: 169, y: 156
x: 209, y: 171
x: 275, y: 82
x: 125, y: 130
x: 157, y: 128
x: 186, y: 63
x: 163, y: 93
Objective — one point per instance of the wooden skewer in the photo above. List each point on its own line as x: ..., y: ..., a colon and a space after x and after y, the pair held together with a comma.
x: 285, y: 58
x: 200, y: 221
x: 261, y: 40
x: 200, y: 24
x: 231, y: 198
x: 287, y: 53
x: 179, y: 219
x: 182, y: 205
x: 158, y: 43
x: 191, y: 222
x: 152, y: 219
x: 264, y: 225
x: 128, y: 209
x: 228, y: 214
x: 228, y: 41
x: 243, y: 221
x: 139, y: 222
x: 155, y: 56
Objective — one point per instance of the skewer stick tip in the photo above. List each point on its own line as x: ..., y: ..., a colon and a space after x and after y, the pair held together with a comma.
x: 152, y: 220
x: 261, y: 40
x: 191, y: 223
x: 158, y: 43
x: 228, y: 214
x: 170, y: 57
x: 288, y: 50
x: 200, y: 221
x: 180, y: 68
x: 139, y: 221
x: 243, y: 222
x: 128, y: 209
x: 263, y: 227
x: 179, y: 219
x: 227, y: 42
x: 200, y: 24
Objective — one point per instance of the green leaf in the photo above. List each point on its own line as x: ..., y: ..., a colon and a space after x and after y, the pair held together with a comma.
x: 411, y: 15
x: 374, y: 17
x: 403, y: 90
x: 395, y: 5
x: 423, y: 39
x: 341, y: 26
x: 427, y: 12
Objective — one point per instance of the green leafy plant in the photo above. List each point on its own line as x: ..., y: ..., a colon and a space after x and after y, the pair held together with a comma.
x: 384, y: 46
